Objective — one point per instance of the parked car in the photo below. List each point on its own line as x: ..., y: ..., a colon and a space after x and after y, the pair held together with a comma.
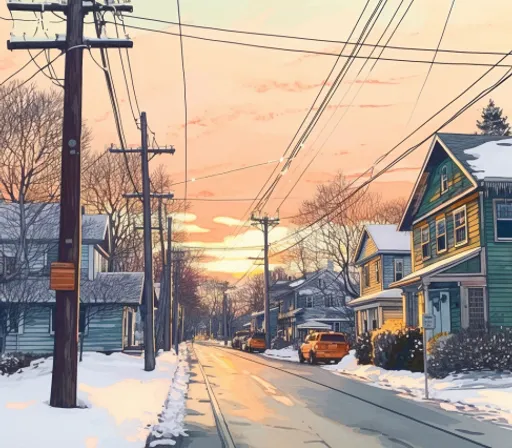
x: 255, y: 343
x: 238, y: 338
x: 324, y: 347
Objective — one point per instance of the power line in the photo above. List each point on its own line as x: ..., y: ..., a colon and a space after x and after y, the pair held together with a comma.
x: 185, y: 102
x: 319, y: 53
x: 328, y: 41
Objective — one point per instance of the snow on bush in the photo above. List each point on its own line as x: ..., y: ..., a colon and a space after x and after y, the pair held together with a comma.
x: 364, y: 349
x: 399, y: 350
x: 9, y: 364
x: 472, y: 350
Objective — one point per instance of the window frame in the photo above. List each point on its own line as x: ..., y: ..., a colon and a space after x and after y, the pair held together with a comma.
x: 444, y: 179
x: 377, y: 271
x: 309, y: 299
x: 438, y: 220
x: 21, y: 324
x: 395, y: 271
x: 366, y: 275
x: 428, y: 242
x: 338, y: 325
x: 495, y: 211
x: 455, y: 228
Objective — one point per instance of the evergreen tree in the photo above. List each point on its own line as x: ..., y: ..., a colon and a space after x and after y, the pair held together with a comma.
x: 493, y: 122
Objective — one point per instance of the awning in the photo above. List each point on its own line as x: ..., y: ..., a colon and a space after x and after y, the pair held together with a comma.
x: 434, y: 268
x: 313, y: 325
x: 386, y: 294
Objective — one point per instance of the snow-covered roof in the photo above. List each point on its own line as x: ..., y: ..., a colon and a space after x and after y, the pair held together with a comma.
x: 261, y: 313
x: 313, y: 325
x: 380, y: 295
x: 387, y: 238
x: 491, y: 159
x: 338, y: 314
x: 297, y: 283
x: 435, y: 267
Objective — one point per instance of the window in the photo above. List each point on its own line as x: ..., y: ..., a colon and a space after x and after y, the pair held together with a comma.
x: 441, y: 235
x: 425, y: 242
x: 337, y: 326
x: 309, y: 302
x: 82, y: 321
x: 333, y: 338
x: 366, y: 274
x: 460, y: 226
x: 503, y: 212
x: 411, y: 308
x: 476, y: 308
x: 320, y: 283
x: 377, y: 271
x: 444, y: 179
x: 16, y: 320
x: 9, y: 266
x: 329, y: 301
x: 399, y: 269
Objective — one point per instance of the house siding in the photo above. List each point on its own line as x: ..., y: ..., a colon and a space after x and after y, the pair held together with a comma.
x: 457, y: 183
x: 473, y: 232
x: 105, y: 332
x: 454, y: 291
x: 375, y: 285
x: 499, y: 270
x: 389, y: 267
x: 368, y: 248
x: 85, y: 260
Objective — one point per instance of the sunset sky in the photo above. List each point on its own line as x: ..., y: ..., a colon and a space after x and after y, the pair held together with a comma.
x: 245, y: 104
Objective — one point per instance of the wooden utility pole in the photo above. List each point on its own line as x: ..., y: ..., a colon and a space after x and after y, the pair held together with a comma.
x: 168, y: 301
x: 177, y: 259
x: 149, y: 305
x: 266, y: 223
x: 65, y: 274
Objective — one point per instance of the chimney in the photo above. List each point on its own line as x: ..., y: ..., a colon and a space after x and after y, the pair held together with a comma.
x: 330, y: 265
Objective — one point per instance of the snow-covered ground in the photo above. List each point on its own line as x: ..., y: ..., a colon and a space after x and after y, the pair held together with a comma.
x: 286, y: 354
x: 120, y: 403
x: 487, y: 396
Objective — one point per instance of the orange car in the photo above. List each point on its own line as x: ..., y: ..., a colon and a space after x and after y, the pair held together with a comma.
x: 255, y: 343
x: 323, y: 347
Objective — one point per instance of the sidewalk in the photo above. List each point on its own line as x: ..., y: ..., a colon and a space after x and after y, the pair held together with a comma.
x: 199, y: 421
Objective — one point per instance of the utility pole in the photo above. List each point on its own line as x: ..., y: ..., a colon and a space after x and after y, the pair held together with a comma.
x: 175, y: 302
x: 168, y: 301
x: 65, y: 274
x: 266, y: 223
x: 224, y: 316
x: 149, y: 318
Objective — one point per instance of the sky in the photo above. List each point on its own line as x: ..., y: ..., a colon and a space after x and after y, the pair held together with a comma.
x: 245, y: 104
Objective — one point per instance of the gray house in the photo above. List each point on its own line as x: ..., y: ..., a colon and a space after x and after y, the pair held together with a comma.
x: 109, y: 301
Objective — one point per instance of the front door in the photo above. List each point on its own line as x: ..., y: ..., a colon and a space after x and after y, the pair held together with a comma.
x: 440, y: 308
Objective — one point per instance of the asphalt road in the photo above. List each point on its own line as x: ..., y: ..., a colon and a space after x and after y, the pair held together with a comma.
x: 267, y: 404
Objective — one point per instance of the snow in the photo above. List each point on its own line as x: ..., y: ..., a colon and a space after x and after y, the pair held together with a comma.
x: 119, y: 402
x: 285, y: 354
x: 305, y: 292
x: 493, y: 159
x: 486, y: 396
x: 385, y: 294
x: 313, y: 325
x: 387, y: 237
x: 297, y: 283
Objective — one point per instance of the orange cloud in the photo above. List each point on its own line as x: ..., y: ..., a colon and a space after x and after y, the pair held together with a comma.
x: 205, y: 194
x: 296, y: 86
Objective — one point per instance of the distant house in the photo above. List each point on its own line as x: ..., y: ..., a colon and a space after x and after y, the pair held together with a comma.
x: 460, y: 216
x: 109, y: 300
x: 315, y: 301
x: 383, y: 256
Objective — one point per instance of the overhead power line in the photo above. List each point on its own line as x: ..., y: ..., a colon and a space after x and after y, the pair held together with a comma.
x: 322, y: 53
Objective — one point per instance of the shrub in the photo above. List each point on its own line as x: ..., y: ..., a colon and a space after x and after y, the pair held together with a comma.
x: 364, y: 348
x: 399, y: 350
x: 9, y: 364
x: 471, y: 350
x: 439, y: 338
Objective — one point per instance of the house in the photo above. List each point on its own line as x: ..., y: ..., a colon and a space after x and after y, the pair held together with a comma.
x: 383, y: 256
x: 460, y: 218
x: 109, y: 300
x: 313, y: 302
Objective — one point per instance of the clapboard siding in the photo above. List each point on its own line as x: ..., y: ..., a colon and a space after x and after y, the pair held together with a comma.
x: 457, y: 182
x: 473, y: 220
x: 374, y: 284
x: 105, y: 332
x: 391, y: 313
x: 389, y: 267
x: 368, y: 247
x: 85, y: 260
x: 499, y: 271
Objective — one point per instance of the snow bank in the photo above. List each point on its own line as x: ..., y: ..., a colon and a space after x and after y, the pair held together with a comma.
x: 119, y: 400
x: 285, y: 354
x: 487, y: 396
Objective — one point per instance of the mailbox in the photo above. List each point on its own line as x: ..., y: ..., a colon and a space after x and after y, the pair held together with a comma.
x: 62, y: 277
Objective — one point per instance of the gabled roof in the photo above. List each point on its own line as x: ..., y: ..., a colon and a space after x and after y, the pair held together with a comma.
x: 478, y: 157
x: 386, y: 238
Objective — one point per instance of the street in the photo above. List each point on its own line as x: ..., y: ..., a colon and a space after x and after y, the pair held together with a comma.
x: 266, y: 403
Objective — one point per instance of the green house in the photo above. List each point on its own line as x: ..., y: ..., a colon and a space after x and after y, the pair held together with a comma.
x: 460, y: 218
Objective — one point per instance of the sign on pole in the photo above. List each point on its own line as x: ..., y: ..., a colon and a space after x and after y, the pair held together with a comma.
x: 429, y: 323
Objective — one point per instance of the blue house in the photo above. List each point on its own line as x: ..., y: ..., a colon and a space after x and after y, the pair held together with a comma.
x: 109, y: 301
x: 383, y: 256
x: 460, y: 217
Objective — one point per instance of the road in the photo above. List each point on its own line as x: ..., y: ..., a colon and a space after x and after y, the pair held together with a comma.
x: 266, y: 403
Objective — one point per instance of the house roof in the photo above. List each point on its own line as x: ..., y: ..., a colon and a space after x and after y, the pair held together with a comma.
x: 387, y: 238
x: 387, y: 294
x: 43, y: 223
x: 436, y: 267
x: 123, y: 288
x: 339, y: 313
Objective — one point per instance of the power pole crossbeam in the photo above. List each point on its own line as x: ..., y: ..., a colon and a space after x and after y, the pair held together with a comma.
x: 87, y: 7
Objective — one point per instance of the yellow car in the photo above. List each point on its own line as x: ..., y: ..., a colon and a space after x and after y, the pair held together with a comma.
x: 255, y: 343
x: 323, y: 347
